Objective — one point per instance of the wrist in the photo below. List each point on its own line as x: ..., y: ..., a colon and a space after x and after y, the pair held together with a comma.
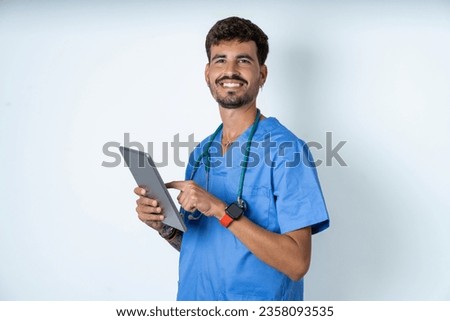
x: 167, y: 232
x: 233, y: 212
x: 220, y: 212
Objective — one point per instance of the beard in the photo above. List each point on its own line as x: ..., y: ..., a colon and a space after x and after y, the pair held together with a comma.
x: 233, y: 101
x: 230, y: 99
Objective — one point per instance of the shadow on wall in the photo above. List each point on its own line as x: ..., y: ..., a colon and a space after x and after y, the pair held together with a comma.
x: 356, y: 258
x: 297, y: 94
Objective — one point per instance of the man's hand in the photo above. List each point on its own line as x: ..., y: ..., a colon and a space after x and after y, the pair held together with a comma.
x: 148, y: 210
x: 192, y: 197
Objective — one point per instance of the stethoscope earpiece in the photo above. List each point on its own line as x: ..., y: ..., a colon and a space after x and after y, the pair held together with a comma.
x: 191, y: 217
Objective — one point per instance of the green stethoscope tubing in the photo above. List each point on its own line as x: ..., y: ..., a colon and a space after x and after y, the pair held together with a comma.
x: 240, y: 201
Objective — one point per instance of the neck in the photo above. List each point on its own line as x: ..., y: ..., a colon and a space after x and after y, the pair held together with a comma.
x: 236, y: 121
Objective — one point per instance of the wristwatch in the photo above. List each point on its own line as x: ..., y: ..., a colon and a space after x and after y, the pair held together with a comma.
x: 233, y: 212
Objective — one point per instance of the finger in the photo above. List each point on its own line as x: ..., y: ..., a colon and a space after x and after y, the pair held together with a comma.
x: 148, y: 209
x: 179, y: 185
x: 186, y: 200
x: 150, y: 217
x: 147, y: 201
x: 182, y: 197
x: 188, y: 205
x: 140, y: 191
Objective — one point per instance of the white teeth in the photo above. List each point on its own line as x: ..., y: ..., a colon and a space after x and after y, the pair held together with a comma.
x: 231, y: 84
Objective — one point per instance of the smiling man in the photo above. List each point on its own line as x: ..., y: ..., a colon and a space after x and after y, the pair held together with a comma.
x: 233, y: 90
x: 251, y: 199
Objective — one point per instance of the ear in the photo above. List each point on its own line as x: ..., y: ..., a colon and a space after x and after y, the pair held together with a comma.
x: 207, y: 74
x: 263, y: 75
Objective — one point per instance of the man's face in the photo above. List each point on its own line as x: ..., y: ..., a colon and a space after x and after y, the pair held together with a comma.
x: 234, y: 74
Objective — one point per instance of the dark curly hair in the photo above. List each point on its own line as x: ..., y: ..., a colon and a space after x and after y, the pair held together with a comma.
x: 235, y: 28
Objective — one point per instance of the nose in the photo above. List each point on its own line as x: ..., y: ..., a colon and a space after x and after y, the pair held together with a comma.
x: 231, y: 68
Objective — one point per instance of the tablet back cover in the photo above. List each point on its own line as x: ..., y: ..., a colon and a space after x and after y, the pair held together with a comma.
x: 147, y: 176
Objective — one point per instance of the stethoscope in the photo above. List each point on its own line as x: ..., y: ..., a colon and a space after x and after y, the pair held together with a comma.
x: 240, y: 202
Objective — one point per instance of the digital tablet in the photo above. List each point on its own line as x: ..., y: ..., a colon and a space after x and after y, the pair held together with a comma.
x: 147, y: 176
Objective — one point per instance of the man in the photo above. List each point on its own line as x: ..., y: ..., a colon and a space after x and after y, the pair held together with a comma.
x: 251, y: 198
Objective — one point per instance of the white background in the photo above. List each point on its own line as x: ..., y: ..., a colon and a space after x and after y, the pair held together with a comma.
x: 76, y: 75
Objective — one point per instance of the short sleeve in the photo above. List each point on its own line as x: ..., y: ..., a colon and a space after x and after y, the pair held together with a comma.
x: 298, y: 196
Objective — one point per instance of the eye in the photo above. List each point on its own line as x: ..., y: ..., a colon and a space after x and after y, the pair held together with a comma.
x: 244, y: 61
x: 219, y: 61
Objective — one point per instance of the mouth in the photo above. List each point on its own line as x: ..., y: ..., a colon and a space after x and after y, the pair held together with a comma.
x: 226, y: 84
x: 231, y: 83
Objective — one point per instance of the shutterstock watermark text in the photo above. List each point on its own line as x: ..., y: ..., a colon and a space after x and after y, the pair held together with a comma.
x: 293, y: 152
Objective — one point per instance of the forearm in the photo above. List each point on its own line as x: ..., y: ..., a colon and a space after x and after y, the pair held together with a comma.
x: 290, y: 255
x: 175, y: 241
x: 172, y: 236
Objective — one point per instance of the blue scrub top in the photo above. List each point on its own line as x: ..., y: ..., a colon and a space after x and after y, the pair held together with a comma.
x: 283, y: 194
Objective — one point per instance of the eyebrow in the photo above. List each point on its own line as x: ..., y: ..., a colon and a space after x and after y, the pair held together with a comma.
x: 220, y: 56
x: 245, y: 56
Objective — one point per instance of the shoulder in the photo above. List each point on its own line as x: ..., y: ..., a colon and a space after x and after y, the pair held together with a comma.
x: 281, y: 140
x: 273, y: 129
x: 283, y: 146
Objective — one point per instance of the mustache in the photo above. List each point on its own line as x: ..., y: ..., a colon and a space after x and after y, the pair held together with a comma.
x: 233, y: 77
